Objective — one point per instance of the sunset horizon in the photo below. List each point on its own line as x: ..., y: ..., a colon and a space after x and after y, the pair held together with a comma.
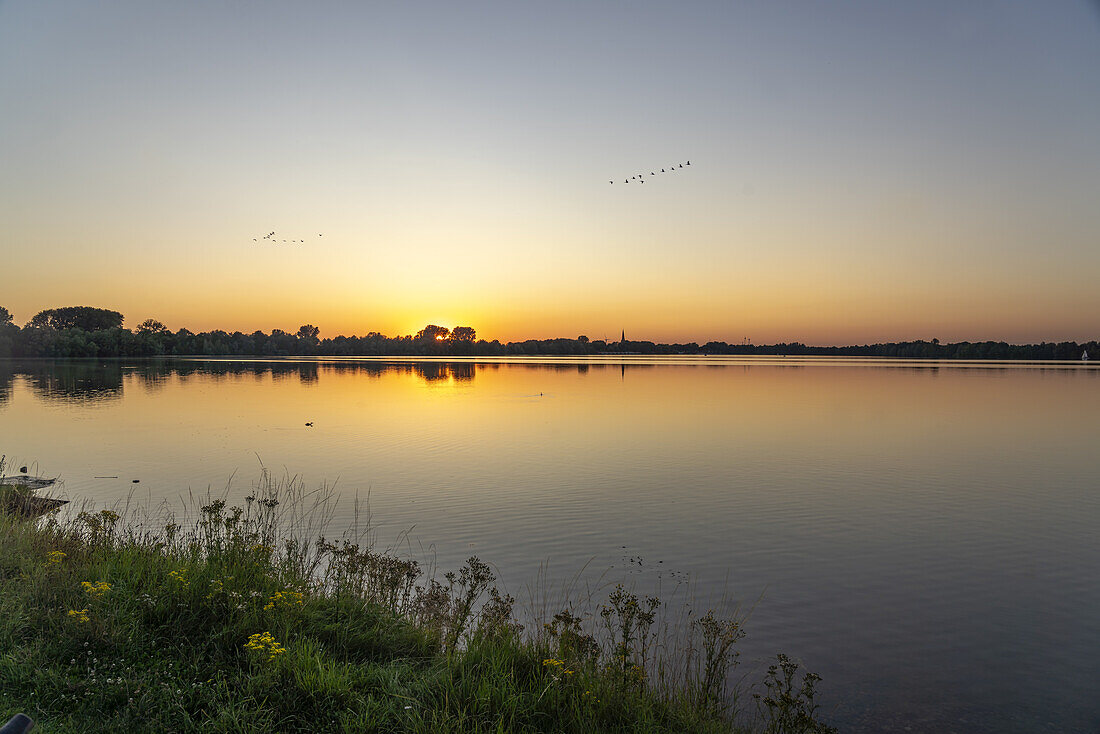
x: 1023, y: 334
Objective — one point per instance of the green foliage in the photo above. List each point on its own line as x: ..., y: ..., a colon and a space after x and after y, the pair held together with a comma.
x: 717, y: 637
x: 246, y: 619
x: 787, y: 707
x: 629, y: 620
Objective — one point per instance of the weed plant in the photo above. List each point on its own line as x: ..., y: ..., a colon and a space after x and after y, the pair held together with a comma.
x: 247, y: 619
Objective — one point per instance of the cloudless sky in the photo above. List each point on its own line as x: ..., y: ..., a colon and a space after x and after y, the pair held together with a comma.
x: 860, y: 171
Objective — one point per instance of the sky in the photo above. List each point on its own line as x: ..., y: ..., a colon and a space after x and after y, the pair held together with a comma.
x: 860, y: 171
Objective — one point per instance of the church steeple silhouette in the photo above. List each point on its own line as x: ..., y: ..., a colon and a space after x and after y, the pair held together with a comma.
x: 623, y: 339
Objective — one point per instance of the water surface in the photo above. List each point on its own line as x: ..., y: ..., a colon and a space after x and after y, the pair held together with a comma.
x: 925, y: 535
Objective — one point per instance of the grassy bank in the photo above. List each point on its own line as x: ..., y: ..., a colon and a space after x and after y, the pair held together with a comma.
x: 245, y: 619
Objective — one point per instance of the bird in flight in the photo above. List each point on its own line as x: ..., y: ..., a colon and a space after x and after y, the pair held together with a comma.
x: 640, y: 177
x: 270, y: 236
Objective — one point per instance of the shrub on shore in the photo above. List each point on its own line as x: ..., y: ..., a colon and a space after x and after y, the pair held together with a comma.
x: 246, y: 619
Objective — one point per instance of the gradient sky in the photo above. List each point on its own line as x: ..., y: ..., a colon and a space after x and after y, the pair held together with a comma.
x: 861, y: 171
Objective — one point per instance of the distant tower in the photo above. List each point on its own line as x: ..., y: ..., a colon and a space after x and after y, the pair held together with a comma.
x: 623, y: 339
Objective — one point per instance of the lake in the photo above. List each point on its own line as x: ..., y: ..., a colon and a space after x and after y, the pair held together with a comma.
x: 924, y: 535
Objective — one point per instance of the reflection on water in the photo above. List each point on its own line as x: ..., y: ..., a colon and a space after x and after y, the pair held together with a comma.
x: 89, y: 382
x: 7, y: 371
x: 69, y: 382
x: 924, y: 534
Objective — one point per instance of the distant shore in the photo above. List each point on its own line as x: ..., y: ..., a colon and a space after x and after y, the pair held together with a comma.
x: 84, y: 332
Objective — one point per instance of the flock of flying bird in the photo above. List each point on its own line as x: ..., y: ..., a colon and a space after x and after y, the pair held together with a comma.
x: 271, y: 236
x: 640, y: 178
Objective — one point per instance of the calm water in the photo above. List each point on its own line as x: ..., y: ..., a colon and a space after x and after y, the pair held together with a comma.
x: 925, y: 536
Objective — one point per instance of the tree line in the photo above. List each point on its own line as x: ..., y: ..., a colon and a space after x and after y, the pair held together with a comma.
x: 84, y: 331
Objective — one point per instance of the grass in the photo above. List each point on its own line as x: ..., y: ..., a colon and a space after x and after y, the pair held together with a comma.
x: 246, y: 619
x: 12, y: 496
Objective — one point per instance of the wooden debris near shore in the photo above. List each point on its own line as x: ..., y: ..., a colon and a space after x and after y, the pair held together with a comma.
x: 32, y: 483
x: 16, y: 496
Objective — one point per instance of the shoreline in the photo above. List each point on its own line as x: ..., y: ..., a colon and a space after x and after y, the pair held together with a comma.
x: 253, y: 598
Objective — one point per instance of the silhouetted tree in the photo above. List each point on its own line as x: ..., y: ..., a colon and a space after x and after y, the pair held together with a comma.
x: 82, y: 331
x: 308, y: 333
x: 9, y: 332
x: 151, y: 326
x: 464, y: 334
x: 431, y: 333
x: 77, y: 317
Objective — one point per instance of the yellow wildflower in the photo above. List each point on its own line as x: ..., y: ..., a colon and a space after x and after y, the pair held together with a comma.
x: 263, y: 643
x: 56, y: 556
x: 216, y: 587
x: 96, y: 590
x: 284, y: 600
x: 80, y: 615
